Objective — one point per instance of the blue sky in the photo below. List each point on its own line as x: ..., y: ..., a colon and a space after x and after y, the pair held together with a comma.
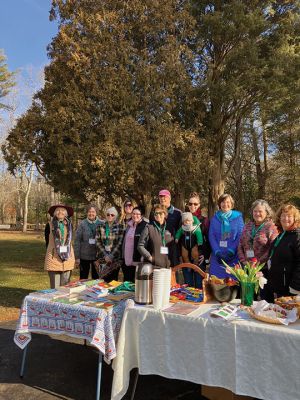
x: 25, y: 32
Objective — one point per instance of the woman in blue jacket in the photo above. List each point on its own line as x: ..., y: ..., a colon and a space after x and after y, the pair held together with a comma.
x: 224, y: 235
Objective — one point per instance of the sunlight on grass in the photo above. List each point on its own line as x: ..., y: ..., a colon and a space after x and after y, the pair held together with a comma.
x: 21, y: 270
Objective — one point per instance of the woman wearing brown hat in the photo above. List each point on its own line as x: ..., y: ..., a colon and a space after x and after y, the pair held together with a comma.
x: 60, y: 260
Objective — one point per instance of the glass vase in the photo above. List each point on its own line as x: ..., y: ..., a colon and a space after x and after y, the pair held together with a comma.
x: 247, y: 293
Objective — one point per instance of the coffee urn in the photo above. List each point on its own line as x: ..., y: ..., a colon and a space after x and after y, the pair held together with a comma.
x: 143, y: 283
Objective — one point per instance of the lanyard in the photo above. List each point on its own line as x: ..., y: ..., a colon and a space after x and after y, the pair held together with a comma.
x: 254, y: 232
x: 61, y: 226
x: 277, y: 241
x: 107, y: 232
x: 162, y: 232
x: 92, y: 228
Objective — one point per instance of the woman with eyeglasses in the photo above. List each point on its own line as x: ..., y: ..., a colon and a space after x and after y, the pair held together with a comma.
x: 155, y: 239
x: 130, y: 253
x: 109, y: 237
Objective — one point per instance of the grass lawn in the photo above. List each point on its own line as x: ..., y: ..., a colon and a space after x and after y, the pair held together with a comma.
x: 21, y: 270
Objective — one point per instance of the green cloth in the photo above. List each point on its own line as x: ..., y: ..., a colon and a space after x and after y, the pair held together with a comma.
x: 197, y: 232
x: 125, y: 286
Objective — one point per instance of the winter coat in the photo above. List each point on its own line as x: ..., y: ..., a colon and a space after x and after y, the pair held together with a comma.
x: 285, y: 264
x: 82, y: 248
x: 262, y: 241
x: 52, y: 261
x: 115, y: 240
x: 219, y: 253
x: 137, y: 234
x: 150, y: 244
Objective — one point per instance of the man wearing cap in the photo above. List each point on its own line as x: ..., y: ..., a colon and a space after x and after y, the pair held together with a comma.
x: 173, y: 223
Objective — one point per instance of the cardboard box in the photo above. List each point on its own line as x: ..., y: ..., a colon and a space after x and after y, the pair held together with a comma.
x: 217, y: 393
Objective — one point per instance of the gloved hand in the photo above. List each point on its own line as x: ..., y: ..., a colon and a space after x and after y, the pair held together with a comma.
x: 219, y: 257
x: 230, y: 254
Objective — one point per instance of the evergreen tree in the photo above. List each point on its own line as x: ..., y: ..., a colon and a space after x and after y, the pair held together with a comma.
x: 6, y: 80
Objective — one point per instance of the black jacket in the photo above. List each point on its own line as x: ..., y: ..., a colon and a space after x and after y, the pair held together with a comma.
x: 285, y: 264
x: 150, y: 245
x: 138, y: 230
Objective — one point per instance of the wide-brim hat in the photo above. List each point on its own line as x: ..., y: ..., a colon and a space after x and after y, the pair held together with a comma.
x: 69, y: 209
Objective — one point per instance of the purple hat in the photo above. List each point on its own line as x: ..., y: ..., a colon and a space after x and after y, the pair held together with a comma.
x: 164, y: 192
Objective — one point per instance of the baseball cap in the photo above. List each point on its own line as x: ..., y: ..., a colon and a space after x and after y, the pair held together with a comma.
x: 164, y: 192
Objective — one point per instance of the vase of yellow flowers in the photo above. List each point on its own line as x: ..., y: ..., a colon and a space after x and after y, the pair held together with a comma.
x: 250, y: 278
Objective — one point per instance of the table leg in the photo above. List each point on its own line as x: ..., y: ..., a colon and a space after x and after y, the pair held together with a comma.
x: 99, y: 376
x: 23, y: 362
x: 136, y: 377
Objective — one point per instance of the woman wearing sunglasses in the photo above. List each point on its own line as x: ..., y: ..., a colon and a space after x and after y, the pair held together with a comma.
x: 109, y: 237
x: 155, y: 239
x: 195, y: 209
x: 126, y: 213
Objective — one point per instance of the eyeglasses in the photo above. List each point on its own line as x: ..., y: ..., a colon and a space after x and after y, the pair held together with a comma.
x: 110, y: 215
x: 193, y: 204
x: 128, y: 205
x: 157, y: 213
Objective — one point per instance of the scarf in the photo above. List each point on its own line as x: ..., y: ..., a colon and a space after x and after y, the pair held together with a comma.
x: 92, y: 226
x: 58, y: 234
x: 198, y: 213
x: 225, y: 218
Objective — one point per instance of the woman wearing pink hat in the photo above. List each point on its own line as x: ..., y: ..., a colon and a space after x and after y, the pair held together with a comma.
x: 59, y: 259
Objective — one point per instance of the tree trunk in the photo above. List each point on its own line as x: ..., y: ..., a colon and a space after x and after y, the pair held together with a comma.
x: 147, y: 202
x: 259, y: 171
x: 216, y: 181
x: 179, y: 200
x: 29, y: 183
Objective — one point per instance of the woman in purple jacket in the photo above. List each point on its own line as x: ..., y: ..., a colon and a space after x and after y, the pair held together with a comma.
x: 225, y: 230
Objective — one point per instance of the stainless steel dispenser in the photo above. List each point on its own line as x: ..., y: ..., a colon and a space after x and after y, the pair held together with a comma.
x: 143, y: 283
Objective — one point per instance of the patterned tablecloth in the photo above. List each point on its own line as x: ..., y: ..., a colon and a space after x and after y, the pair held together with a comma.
x: 97, y: 326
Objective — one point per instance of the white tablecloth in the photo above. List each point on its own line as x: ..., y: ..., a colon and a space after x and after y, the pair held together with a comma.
x: 247, y: 357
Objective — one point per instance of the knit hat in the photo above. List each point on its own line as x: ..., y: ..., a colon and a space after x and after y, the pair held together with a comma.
x: 187, y: 215
x: 112, y: 210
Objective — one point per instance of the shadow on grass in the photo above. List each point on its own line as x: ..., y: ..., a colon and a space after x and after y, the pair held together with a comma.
x: 13, y: 297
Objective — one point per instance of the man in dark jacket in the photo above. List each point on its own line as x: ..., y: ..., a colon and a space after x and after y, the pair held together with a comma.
x: 173, y: 223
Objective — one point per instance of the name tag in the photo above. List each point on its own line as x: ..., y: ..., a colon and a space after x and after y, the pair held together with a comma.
x: 107, y: 248
x: 164, y: 250
x: 63, y: 249
x: 223, y: 243
x: 250, y: 253
x: 92, y: 241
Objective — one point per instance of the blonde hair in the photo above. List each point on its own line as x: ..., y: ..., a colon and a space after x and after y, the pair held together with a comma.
x: 290, y: 209
x: 60, y: 208
x: 123, y: 212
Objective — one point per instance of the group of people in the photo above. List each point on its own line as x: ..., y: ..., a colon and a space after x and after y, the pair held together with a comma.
x: 170, y: 237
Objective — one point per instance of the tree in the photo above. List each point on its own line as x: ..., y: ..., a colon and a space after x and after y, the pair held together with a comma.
x: 245, y: 52
x: 108, y: 121
x: 6, y: 80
